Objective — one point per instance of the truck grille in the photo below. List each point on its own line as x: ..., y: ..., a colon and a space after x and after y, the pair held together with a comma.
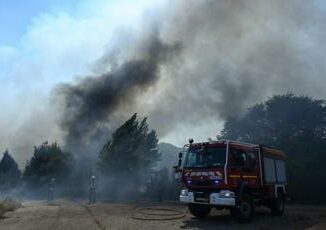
x: 201, y: 197
x: 202, y: 183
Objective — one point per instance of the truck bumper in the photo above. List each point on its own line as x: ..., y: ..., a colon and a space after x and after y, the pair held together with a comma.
x: 214, y: 199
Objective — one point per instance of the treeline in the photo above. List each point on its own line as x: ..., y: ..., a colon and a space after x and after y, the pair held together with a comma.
x: 126, y: 168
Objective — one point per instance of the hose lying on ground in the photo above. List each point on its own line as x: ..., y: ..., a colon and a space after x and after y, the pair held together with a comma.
x: 100, y: 225
x: 150, y: 212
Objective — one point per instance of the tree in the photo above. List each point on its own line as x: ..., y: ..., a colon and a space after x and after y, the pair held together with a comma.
x: 130, y: 155
x: 48, y: 161
x: 297, y: 125
x: 9, y: 171
x: 163, y: 186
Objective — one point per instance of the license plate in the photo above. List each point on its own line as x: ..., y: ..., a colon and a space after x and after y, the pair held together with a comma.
x: 201, y: 199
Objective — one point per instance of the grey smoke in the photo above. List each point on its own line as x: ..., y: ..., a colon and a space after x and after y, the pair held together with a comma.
x: 91, y: 102
x: 234, y: 54
x: 237, y: 53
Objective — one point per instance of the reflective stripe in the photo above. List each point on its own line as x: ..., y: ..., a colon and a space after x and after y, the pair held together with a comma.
x: 235, y: 176
x: 244, y: 176
x: 249, y: 176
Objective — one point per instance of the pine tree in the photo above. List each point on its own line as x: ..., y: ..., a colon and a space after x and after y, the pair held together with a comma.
x: 9, y: 171
x: 131, y: 154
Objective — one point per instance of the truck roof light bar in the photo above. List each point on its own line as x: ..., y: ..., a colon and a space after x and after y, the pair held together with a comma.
x: 239, y: 142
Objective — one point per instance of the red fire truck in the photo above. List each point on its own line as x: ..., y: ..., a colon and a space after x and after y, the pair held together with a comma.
x: 233, y: 175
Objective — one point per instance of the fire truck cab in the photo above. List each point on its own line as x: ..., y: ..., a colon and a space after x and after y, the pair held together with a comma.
x: 233, y: 175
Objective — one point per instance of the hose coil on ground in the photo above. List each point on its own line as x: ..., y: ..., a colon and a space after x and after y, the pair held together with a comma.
x: 155, y: 213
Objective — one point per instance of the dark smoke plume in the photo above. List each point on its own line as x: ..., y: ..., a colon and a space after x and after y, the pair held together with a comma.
x: 89, y: 104
x: 234, y: 54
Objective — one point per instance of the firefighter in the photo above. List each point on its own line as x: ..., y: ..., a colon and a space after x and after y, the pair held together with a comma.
x: 92, y: 188
x: 51, y: 189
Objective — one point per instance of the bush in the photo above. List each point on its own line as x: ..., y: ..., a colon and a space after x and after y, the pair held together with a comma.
x: 8, y: 205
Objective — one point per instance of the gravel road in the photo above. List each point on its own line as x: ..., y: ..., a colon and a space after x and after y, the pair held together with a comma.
x: 69, y: 214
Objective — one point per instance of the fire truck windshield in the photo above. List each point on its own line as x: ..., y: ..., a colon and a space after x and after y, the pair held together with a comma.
x: 205, y: 157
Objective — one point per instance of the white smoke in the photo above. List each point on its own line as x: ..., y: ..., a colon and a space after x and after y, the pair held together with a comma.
x: 234, y: 53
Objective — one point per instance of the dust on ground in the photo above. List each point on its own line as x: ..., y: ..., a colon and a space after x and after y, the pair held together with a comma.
x: 69, y: 214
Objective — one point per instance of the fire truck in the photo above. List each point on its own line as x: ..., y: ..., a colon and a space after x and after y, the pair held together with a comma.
x: 233, y: 175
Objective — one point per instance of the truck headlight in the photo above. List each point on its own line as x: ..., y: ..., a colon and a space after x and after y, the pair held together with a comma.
x: 226, y: 194
x: 184, y: 192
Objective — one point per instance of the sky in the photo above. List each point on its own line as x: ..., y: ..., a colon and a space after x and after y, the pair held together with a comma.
x: 44, y: 43
x: 16, y: 16
x: 47, y: 43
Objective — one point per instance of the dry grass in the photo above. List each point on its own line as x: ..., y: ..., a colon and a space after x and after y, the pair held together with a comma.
x: 8, y: 205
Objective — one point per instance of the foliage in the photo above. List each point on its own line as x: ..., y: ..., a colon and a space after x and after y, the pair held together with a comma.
x: 9, y: 171
x: 8, y: 205
x: 162, y: 186
x: 131, y: 154
x: 48, y: 161
x: 297, y: 125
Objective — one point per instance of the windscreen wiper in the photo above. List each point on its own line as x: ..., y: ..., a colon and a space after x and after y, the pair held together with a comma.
x: 215, y: 165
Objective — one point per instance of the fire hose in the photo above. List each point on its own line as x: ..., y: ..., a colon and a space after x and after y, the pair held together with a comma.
x: 100, y: 225
x: 148, y: 212
x: 154, y: 213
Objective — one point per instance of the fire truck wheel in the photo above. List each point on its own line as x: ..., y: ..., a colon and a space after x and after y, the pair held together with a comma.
x: 245, y: 210
x: 199, y: 210
x: 277, y: 205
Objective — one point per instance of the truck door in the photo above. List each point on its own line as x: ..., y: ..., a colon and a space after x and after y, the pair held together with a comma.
x: 251, y: 170
x: 244, y: 166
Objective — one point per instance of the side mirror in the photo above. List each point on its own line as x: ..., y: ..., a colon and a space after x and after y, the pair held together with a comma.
x: 180, y: 159
x: 177, y: 176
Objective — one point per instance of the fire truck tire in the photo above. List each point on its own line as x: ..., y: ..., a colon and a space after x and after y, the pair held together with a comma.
x: 277, y: 205
x: 199, y: 210
x: 245, y: 209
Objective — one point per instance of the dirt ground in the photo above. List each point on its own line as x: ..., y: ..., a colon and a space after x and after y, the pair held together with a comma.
x: 69, y: 214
